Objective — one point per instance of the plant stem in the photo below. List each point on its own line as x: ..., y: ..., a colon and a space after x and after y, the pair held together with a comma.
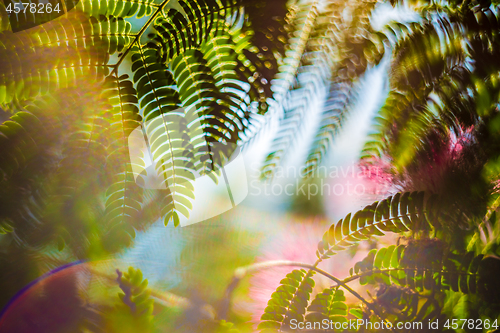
x: 241, y: 272
x: 139, y: 35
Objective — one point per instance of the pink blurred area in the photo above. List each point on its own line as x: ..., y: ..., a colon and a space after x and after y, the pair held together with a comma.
x: 352, y: 187
x: 298, y: 242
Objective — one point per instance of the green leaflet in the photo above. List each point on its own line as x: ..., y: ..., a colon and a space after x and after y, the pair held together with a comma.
x: 220, y: 117
x: 4, y: 18
x: 134, y: 310
x: 297, y: 97
x: 182, y: 31
x: 262, y: 41
x: 237, y: 86
x: 288, y: 302
x: 411, y: 277
x: 304, y: 22
x: 311, y: 80
x: 225, y: 67
x: 117, y: 8
x: 36, y: 16
x: 317, y: 38
x: 395, y: 214
x: 433, y: 88
x: 406, y: 305
x: 83, y: 157
x: 135, y: 293
x: 22, y: 83
x: 334, y: 110
x: 22, y: 124
x: 421, y: 265
x: 166, y: 130
x: 124, y: 196
x: 330, y: 305
x: 29, y: 68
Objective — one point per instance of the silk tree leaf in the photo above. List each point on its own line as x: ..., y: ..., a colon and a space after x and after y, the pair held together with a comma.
x: 376, y: 219
x: 288, y: 302
x: 117, y: 8
x: 164, y: 129
x: 124, y: 196
x: 329, y: 305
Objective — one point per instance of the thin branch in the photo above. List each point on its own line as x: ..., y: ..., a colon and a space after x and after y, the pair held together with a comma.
x: 164, y: 298
x: 388, y: 270
x: 139, y: 35
x: 241, y: 272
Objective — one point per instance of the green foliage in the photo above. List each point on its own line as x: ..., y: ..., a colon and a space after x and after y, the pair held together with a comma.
x: 329, y: 304
x: 413, y: 280
x: 29, y: 138
x: 191, y: 27
x: 134, y: 311
x: 211, y: 59
x: 226, y: 327
x: 443, y: 80
x: 121, y: 8
x: 398, y: 213
x: 215, y: 60
x: 201, y: 75
x: 124, y: 198
x: 288, y: 302
x: 333, y: 55
x: 411, y: 105
x: 421, y: 266
x: 37, y: 63
x: 413, y: 276
x: 5, y: 227
x: 401, y: 304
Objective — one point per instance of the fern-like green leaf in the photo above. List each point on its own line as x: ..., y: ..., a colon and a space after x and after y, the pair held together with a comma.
x: 221, y: 117
x: 120, y: 8
x: 333, y: 114
x: 179, y: 31
x: 420, y: 266
x: 329, y: 305
x: 29, y: 68
x: 124, y: 196
x: 400, y: 213
x: 288, y: 302
x: 134, y: 311
x: 415, y: 75
x: 165, y: 128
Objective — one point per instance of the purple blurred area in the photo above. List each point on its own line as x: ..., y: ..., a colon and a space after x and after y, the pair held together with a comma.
x: 51, y: 304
